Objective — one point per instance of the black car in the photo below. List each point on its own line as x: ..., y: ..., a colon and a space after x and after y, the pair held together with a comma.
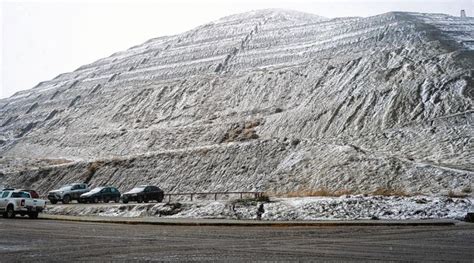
x: 101, y: 194
x: 143, y: 193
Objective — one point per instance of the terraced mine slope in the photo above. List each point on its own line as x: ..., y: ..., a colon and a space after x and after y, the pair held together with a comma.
x: 271, y: 100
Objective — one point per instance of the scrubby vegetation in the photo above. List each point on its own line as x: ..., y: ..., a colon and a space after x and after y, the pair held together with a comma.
x: 318, y: 192
x: 389, y: 192
x: 252, y: 201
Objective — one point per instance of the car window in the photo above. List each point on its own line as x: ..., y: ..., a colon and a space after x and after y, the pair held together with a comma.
x: 5, y: 194
x: 113, y: 190
x: 20, y: 195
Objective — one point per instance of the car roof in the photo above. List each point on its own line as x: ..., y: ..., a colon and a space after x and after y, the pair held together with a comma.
x: 16, y: 191
x: 105, y: 187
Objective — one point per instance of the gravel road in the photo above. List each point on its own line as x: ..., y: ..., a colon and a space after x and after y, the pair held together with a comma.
x: 52, y: 241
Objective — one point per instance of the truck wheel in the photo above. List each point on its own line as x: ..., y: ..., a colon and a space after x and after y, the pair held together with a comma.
x: 10, y: 212
x: 66, y: 199
x: 33, y: 215
x: 53, y: 201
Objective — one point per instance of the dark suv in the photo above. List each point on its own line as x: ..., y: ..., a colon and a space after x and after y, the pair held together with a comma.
x: 101, y: 194
x: 143, y: 193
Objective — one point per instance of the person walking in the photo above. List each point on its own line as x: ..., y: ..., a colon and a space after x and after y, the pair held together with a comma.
x: 260, y: 211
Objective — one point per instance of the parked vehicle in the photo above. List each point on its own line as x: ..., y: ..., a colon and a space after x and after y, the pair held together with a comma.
x: 101, y: 194
x: 68, y: 193
x: 143, y: 193
x: 14, y: 202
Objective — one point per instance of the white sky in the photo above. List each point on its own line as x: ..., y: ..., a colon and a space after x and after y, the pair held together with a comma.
x: 41, y: 39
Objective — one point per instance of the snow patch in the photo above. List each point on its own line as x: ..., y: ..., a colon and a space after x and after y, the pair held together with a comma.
x: 301, y: 208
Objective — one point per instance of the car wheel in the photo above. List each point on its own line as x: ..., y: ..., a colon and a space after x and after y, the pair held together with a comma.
x: 140, y: 199
x: 66, y: 199
x: 33, y: 215
x: 145, y: 200
x: 125, y: 201
x: 10, y: 212
x: 95, y: 200
x: 117, y: 199
x: 53, y: 201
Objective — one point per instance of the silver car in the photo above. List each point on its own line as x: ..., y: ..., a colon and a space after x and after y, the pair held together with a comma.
x: 68, y: 193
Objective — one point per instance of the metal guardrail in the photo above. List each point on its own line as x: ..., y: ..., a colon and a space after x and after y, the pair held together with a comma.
x: 192, y: 194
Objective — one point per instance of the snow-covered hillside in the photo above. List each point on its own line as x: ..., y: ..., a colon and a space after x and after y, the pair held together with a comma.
x: 271, y: 100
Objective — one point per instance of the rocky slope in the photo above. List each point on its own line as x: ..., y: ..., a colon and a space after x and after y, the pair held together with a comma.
x: 271, y: 100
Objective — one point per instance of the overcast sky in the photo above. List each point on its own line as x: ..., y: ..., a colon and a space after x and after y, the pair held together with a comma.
x: 41, y: 39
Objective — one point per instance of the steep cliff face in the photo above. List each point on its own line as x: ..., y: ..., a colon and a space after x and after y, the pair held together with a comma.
x: 273, y: 100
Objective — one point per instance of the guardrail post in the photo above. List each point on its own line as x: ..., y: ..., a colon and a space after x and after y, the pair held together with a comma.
x: 240, y: 195
x: 169, y: 198
x: 215, y: 196
x: 191, y: 197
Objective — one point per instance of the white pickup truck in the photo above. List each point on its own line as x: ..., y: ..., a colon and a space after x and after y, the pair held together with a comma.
x: 15, y: 202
